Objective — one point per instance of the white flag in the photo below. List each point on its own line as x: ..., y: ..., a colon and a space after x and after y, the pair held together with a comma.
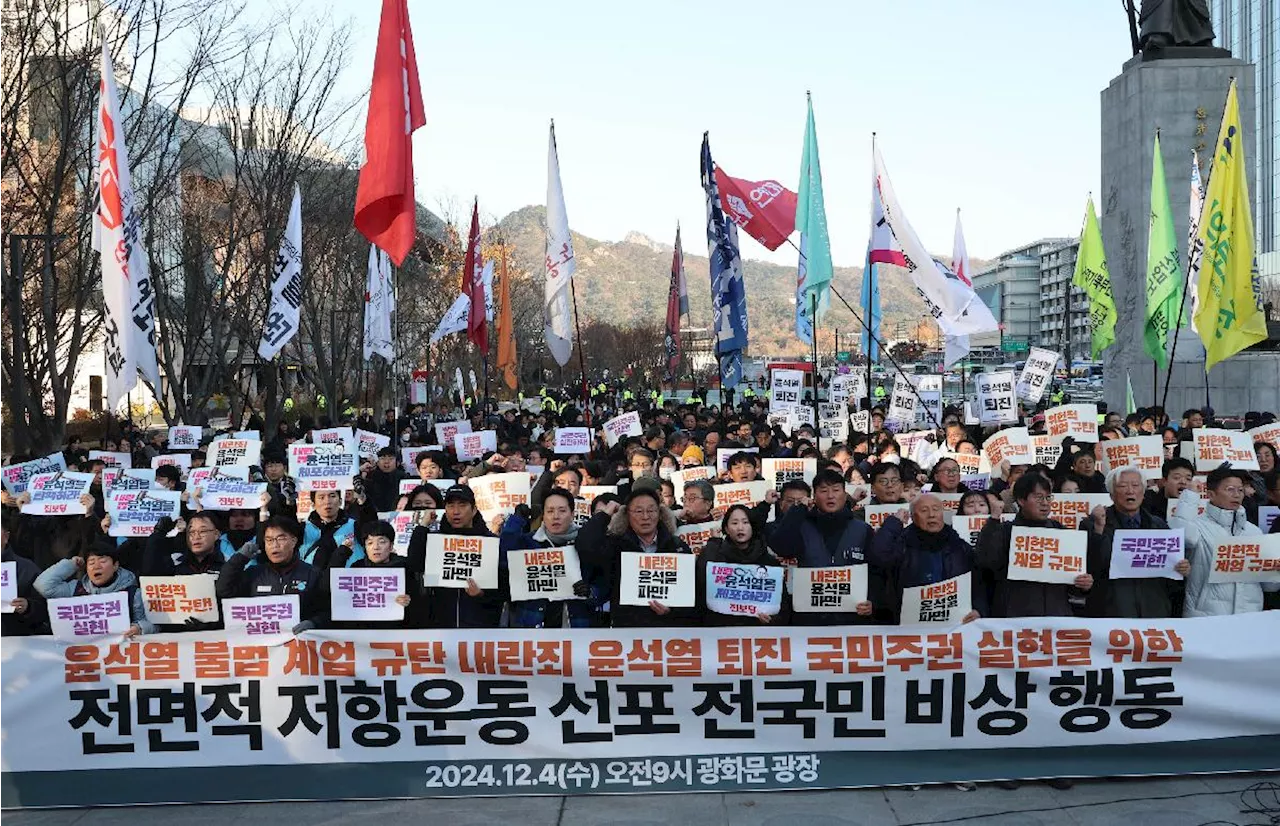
x: 957, y: 347
x: 127, y: 292
x: 378, y: 306
x: 455, y: 320
x: 1195, y: 249
x: 557, y: 312
x: 286, y: 287
x: 951, y: 301
x: 487, y: 278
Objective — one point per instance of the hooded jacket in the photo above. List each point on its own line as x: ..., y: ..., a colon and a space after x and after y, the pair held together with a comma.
x: 910, y: 557
x: 1203, y: 534
x: 65, y: 580
x: 601, y: 543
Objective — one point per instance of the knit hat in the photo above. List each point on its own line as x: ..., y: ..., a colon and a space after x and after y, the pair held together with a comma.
x: 692, y: 455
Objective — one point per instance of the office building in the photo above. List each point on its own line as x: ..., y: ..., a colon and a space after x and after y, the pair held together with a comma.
x: 1071, y: 340
x: 1010, y: 287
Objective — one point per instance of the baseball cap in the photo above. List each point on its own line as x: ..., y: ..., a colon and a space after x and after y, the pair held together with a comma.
x: 460, y: 493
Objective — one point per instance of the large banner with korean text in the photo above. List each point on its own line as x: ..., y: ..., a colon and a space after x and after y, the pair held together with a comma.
x: 366, y: 714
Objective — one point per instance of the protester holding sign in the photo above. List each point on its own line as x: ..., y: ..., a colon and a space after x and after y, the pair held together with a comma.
x: 473, y: 606
x: 379, y: 545
x: 27, y: 612
x: 198, y: 548
x: 271, y: 566
x: 738, y: 544
x: 98, y: 572
x: 1139, y: 598
x: 926, y: 552
x: 558, y: 530
x: 1224, y: 518
x: 1020, y: 598
x: 327, y: 527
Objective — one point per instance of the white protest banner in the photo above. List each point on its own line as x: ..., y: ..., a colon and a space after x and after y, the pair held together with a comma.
x: 970, y: 463
x: 262, y: 616
x: 697, y: 535
x: 876, y: 514
x: 405, y: 486
x: 848, y: 387
x: 344, y: 436
x: 786, y: 387
x: 902, y: 403
x: 232, y: 495
x: 1171, y: 509
x: 724, y: 454
x: 110, y: 459
x: 1012, y: 443
x: 235, y: 452
x: 1037, y: 374
x: 409, y: 455
x: 909, y: 443
x: 1269, y: 433
x: 251, y: 435
x: 833, y: 430
x: 667, y: 578
x: 1047, y: 554
x: 781, y: 420
x: 801, y: 415
x: 826, y: 410
x: 452, y: 560
x: 1146, y: 453
x: 322, y: 467
x: 976, y: 481
x: 1079, y: 421
x: 950, y: 505
x: 1215, y: 446
x: 828, y: 590
x: 114, y: 478
x: 470, y: 446
x: 91, y: 615
x: 690, y: 474
x: 403, y: 523
x: 544, y: 573
x: 185, y: 437
x: 366, y: 594
x: 1045, y: 450
x: 1247, y: 559
x: 1145, y: 554
x: 182, y: 461
x: 969, y: 526
x: 495, y: 491
x: 134, y: 513
x: 586, y: 495
x: 446, y: 431
x: 738, y: 493
x: 57, y: 494
x: 929, y: 413
x: 1070, y: 508
x: 744, y: 590
x: 172, y: 600
x: 17, y: 477
x: 997, y: 398
x: 777, y: 472
x: 861, y: 421
x: 939, y: 603
x: 570, y: 440
x: 1267, y: 515
x: 368, y: 444
x: 201, y: 476
x: 619, y: 427
x: 8, y: 586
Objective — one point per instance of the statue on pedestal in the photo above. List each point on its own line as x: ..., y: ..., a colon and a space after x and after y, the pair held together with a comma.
x: 1172, y: 28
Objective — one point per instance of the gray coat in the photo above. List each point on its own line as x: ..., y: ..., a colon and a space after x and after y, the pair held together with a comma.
x: 63, y: 580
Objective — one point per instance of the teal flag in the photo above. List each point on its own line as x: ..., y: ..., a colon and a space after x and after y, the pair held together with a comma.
x: 811, y: 220
x: 1164, y: 272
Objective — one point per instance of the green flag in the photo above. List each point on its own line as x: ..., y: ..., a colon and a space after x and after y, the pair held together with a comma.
x: 1093, y: 277
x: 811, y: 220
x: 1164, y: 272
x: 1130, y: 406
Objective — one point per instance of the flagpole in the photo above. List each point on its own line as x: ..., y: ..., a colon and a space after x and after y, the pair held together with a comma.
x: 582, y: 362
x: 813, y: 303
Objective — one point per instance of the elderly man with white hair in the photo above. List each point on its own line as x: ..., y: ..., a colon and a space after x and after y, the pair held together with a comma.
x: 1138, y: 598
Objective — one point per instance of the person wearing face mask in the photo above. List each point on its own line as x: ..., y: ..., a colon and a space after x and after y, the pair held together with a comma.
x: 1175, y: 477
x: 667, y: 465
x: 558, y: 530
x: 379, y: 547
x: 925, y: 552
x: 1223, y: 519
x: 739, y: 543
x: 1138, y: 598
x: 640, y: 461
x: 97, y: 572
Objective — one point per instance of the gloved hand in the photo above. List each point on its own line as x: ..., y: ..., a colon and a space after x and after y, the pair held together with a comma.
x: 581, y: 589
x: 524, y: 512
x: 195, y: 624
x: 249, y: 549
x: 305, y: 625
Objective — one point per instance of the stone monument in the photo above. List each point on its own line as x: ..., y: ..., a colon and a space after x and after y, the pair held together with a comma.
x: 1179, y: 87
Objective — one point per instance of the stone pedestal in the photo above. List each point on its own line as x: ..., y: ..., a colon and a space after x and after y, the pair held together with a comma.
x: 1179, y: 96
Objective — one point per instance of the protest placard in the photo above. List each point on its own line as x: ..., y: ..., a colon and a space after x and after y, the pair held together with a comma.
x: 970, y: 526
x: 452, y: 560
x: 495, y: 491
x: 738, y: 493
x: 970, y: 463
x: 938, y: 603
x: 902, y: 403
x: 929, y: 406
x: 471, y: 446
x: 1172, y: 509
x: 8, y: 586
x: 1045, y: 450
x: 233, y: 495
x: 777, y: 472
x: 544, y: 573
x: 134, y: 513
x: 366, y: 594
x: 90, y: 615
x: 110, y: 459
x: 1012, y: 443
x: 1268, y: 433
x: 976, y: 481
x: 833, y: 429
x: 262, y: 616
x: 182, y: 461
x: 586, y: 495
x: 1247, y: 559
x: 670, y: 579
x: 1079, y: 421
x: 1046, y: 554
x: 997, y: 398
x: 698, y: 534
x: 724, y: 454
x: 17, y: 477
x: 1214, y: 446
x: 57, y: 494
x: 185, y: 437
x: 134, y: 478
x: 344, y: 436
x: 1146, y: 453
x: 1267, y: 515
x: 828, y: 590
x: 571, y: 440
x: 861, y: 421
x: 744, y: 590
x: 368, y: 444
x: 1037, y: 374
x: 620, y: 427
x: 1145, y: 554
x: 172, y: 600
x: 235, y: 452
x: 786, y: 387
x: 876, y: 514
x: 1070, y: 508
x: 446, y: 431
x: 327, y: 466
x: 403, y: 523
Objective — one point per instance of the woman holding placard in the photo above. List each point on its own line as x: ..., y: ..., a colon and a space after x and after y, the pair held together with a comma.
x: 557, y: 531
x: 738, y: 544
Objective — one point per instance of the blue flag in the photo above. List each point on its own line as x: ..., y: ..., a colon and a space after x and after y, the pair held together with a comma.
x: 869, y: 307
x: 728, y: 290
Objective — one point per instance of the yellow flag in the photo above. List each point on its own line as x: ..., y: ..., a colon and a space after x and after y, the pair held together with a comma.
x: 1229, y: 317
x: 1094, y: 278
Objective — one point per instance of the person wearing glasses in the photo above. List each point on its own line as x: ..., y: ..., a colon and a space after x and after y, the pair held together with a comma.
x: 271, y: 566
x: 198, y: 547
x: 1018, y: 598
x: 945, y: 476
x: 699, y: 496
x: 1223, y: 519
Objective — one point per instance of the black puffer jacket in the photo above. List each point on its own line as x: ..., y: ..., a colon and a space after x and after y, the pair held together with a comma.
x: 720, y: 549
x: 601, y: 543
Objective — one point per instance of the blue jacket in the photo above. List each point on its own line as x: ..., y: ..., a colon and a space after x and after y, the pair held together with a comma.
x: 533, y: 613
x: 901, y: 552
x: 825, y: 540
x: 313, y: 530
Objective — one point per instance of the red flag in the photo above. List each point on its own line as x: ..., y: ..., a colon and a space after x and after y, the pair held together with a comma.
x: 473, y: 286
x: 765, y: 210
x: 384, y: 198
x: 674, y: 306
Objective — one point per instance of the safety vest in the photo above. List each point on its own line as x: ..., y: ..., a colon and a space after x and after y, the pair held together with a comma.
x: 880, y: 392
x: 695, y: 400
x: 542, y: 391
x: 602, y: 387
x: 288, y: 404
x: 626, y: 395
x: 320, y: 402
x: 749, y: 393
x: 661, y: 399
x: 1057, y: 397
